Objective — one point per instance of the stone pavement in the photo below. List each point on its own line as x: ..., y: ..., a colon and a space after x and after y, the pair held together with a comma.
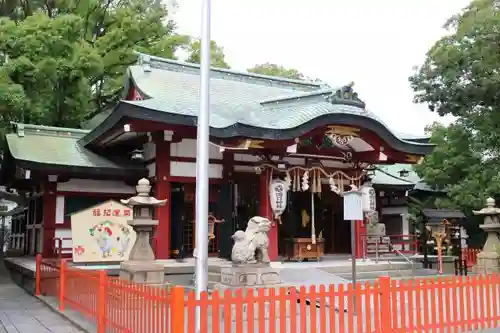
x: 22, y: 313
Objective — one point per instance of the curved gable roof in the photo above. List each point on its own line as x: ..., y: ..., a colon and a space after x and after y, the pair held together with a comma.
x: 245, y: 104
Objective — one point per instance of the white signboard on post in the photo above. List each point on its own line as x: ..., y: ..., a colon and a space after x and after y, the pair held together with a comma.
x: 353, y: 205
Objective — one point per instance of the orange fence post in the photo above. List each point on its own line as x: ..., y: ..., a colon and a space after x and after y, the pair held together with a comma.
x: 385, y: 304
x: 62, y: 283
x: 38, y: 273
x: 101, y: 302
x: 177, y: 310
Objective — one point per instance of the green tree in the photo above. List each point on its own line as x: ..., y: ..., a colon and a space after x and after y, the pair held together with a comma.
x: 47, y: 70
x: 277, y: 70
x: 460, y: 74
x: 458, y: 166
x: 217, y: 56
x: 460, y: 77
x: 64, y: 59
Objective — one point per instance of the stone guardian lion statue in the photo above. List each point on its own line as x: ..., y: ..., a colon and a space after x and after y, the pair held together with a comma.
x: 251, y: 246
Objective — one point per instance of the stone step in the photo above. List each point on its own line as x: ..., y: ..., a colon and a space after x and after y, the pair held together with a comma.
x: 395, y: 274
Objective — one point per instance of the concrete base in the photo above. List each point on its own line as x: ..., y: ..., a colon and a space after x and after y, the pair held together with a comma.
x: 487, y: 263
x: 248, y: 276
x: 143, y: 272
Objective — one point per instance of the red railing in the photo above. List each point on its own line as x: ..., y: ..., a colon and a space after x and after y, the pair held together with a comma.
x: 470, y: 256
x: 385, y: 306
x: 406, y: 244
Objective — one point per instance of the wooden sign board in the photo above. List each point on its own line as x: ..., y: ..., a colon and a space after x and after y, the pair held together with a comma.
x: 101, y: 233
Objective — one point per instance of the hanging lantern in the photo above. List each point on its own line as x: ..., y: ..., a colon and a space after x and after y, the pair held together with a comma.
x: 278, y: 196
x: 369, y: 198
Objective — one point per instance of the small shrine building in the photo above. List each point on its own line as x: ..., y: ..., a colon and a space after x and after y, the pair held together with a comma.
x: 317, y: 140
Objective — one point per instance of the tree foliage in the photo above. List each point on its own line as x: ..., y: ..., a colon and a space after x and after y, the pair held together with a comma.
x: 277, y: 70
x: 217, y: 56
x: 64, y: 59
x: 461, y: 77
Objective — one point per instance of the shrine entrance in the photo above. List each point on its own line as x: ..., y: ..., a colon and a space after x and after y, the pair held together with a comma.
x: 329, y: 221
x: 183, y: 219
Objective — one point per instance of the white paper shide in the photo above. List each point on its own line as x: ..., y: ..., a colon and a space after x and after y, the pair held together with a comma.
x: 278, y: 190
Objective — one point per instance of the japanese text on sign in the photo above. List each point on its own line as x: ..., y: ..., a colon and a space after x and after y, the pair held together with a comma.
x: 111, y: 212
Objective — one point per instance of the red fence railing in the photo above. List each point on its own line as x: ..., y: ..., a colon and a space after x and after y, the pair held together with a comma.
x: 449, y: 304
x: 470, y: 256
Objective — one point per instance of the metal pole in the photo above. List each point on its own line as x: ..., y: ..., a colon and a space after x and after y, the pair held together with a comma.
x: 353, y: 259
x: 202, y: 161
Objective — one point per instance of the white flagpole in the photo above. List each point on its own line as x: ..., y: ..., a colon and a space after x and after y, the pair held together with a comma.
x: 202, y: 160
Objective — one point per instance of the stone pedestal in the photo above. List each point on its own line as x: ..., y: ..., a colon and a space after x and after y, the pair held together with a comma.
x: 141, y: 266
x: 142, y: 251
x: 488, y: 261
x: 248, y: 276
x: 142, y: 272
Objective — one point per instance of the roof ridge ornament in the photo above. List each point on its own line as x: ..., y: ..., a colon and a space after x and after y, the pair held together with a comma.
x: 346, y: 95
x: 144, y: 60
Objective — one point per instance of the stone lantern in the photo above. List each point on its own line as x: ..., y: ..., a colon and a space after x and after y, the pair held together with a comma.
x: 141, y: 266
x: 488, y: 260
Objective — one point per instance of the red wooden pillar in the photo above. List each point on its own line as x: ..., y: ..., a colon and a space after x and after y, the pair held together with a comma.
x: 162, y: 191
x: 49, y: 219
x: 360, y: 231
x: 266, y: 211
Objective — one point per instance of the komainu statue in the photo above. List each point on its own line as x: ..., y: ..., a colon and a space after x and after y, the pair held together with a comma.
x: 250, y: 246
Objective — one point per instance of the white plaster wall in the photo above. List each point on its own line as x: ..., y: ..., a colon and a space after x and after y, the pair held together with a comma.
x: 60, y: 209
x: 65, y: 233
x: 149, y: 151
x: 188, y: 169
x: 151, y: 169
x: 187, y: 148
x: 95, y: 186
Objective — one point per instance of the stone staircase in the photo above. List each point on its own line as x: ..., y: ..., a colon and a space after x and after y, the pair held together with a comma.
x: 392, y: 265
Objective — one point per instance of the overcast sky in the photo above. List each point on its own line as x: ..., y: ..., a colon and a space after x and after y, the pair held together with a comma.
x: 373, y: 43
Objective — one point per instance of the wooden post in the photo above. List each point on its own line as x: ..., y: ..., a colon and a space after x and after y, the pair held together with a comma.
x: 177, y: 310
x: 385, y: 304
x: 38, y: 273
x: 62, y: 283
x: 101, y: 302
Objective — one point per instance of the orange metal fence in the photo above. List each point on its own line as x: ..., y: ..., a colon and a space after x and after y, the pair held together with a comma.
x: 454, y: 304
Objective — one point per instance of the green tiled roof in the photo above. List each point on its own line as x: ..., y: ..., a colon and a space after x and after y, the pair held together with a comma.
x: 389, y: 175
x: 54, y: 146
x: 236, y: 97
x: 240, y: 99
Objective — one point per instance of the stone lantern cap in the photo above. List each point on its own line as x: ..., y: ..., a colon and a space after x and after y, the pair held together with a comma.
x: 490, y: 208
x: 143, y: 198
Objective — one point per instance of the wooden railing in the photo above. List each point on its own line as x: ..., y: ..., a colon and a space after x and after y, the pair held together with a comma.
x: 452, y: 304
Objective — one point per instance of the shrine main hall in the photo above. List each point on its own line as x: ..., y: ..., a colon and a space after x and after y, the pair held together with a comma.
x: 315, y: 140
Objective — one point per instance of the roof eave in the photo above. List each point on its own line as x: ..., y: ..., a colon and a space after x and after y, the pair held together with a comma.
x: 134, y: 111
x: 91, y: 170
